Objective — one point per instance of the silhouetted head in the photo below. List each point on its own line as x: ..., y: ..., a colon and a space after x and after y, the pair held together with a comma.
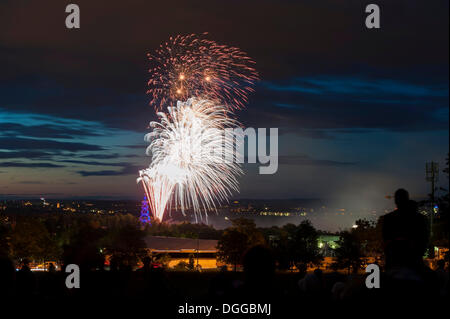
x: 146, y: 261
x: 259, y: 263
x: 113, y: 264
x: 401, y: 198
x: 318, y: 273
x: 337, y: 290
x: 7, y: 273
x: 310, y: 284
x: 6, y: 266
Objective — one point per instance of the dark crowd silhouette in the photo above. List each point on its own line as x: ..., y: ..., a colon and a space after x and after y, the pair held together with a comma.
x: 404, y: 278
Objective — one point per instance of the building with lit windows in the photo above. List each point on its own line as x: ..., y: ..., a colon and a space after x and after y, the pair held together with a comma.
x: 203, y: 251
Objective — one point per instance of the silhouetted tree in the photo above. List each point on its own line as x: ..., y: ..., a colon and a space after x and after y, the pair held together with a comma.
x: 348, y: 254
x: 294, y: 245
x: 304, y: 245
x: 30, y: 239
x: 231, y: 246
x: 279, y: 240
x: 83, y: 247
x: 237, y: 239
x: 126, y: 244
x: 248, y: 227
x: 4, y: 237
x: 368, y: 234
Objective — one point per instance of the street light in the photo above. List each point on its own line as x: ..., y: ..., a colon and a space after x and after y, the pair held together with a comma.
x: 432, y: 175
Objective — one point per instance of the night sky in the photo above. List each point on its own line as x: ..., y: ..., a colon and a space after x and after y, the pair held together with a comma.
x: 359, y: 111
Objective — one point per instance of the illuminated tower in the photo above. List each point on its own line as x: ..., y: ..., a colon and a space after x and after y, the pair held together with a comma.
x: 145, y: 214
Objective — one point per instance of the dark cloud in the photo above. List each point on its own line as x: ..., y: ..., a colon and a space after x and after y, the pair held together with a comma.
x: 135, y: 146
x: 306, y: 160
x: 26, y: 154
x: 43, y: 131
x: 127, y: 169
x: 51, y: 156
x: 107, y: 156
x: 31, y: 182
x: 29, y: 165
x: 101, y: 173
x: 93, y: 163
x: 319, y: 107
x: 100, y: 72
x: 308, y: 133
x: 17, y: 143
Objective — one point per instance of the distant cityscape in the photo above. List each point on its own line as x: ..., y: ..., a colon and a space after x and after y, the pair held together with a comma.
x: 264, y: 212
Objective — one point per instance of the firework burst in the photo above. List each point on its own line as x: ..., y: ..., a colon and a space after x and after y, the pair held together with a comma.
x: 192, y: 66
x: 193, y: 159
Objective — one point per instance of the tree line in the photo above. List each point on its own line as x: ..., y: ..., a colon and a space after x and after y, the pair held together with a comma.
x: 297, y: 246
x: 86, y: 239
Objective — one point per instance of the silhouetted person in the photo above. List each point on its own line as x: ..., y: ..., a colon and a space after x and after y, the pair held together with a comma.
x: 7, y: 275
x: 405, y: 234
x: 113, y: 264
x: 220, y: 285
x: 25, y: 280
x: 51, y: 268
x: 152, y: 282
x: 337, y: 290
x: 405, y: 237
x: 442, y: 276
x: 259, y: 273
x: 147, y: 261
x: 312, y: 285
x: 302, y: 270
x: 48, y: 283
x: 144, y: 274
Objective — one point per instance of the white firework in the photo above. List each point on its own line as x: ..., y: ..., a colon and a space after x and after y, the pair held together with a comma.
x: 193, y: 158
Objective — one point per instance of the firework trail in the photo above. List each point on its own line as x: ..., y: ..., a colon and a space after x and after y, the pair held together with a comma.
x: 158, y: 188
x: 193, y: 158
x: 192, y: 66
